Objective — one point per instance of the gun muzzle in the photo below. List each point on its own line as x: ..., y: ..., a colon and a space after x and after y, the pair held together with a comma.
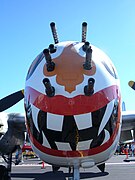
x: 89, y: 89
x: 84, y: 31
x: 85, y: 46
x: 50, y: 65
x: 50, y: 91
x: 88, y: 62
x: 52, y: 48
x: 54, y: 32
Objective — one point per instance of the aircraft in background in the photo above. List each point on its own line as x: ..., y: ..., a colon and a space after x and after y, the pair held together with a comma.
x: 73, y: 105
x: 128, y: 122
x: 11, y: 137
x: 128, y: 126
x: 11, y: 131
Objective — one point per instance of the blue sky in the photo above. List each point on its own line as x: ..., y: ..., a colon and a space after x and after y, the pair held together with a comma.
x: 25, y: 32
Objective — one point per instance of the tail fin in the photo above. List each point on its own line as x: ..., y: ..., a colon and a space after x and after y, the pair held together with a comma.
x: 123, y: 106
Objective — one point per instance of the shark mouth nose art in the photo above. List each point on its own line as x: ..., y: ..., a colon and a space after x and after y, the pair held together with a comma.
x: 72, y: 133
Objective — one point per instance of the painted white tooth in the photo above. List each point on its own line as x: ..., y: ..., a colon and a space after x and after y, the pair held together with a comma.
x: 83, y: 121
x: 83, y: 145
x: 54, y: 122
x: 45, y: 142
x: 35, y: 112
x: 63, y: 146
x: 106, y: 116
x: 107, y: 136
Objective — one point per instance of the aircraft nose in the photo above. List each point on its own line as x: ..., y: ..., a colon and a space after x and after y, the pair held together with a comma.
x: 69, y: 68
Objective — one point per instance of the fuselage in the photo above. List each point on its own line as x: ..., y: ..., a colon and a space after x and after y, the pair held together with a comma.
x: 73, y: 113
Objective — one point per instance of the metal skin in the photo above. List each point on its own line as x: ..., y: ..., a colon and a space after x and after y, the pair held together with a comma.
x: 128, y: 118
x: 14, y: 135
x: 128, y: 127
x: 70, y: 127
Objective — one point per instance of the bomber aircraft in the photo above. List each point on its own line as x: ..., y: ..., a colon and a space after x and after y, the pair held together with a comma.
x: 72, y: 103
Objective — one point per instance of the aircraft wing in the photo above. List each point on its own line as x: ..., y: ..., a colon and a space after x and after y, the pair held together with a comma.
x: 128, y: 121
x: 128, y: 126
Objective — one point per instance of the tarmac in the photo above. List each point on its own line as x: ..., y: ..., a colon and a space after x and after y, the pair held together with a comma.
x: 117, y: 168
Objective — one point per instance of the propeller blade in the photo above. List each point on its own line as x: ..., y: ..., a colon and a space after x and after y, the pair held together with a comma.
x: 11, y: 100
x: 132, y: 84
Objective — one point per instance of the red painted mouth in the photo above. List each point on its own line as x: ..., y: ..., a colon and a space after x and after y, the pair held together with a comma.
x: 72, y: 106
x: 79, y: 104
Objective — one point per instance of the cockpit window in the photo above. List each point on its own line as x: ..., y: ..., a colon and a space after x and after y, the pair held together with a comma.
x: 34, y: 65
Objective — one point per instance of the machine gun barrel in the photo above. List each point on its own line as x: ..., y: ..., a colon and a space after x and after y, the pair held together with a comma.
x: 54, y: 32
x: 89, y: 89
x: 88, y: 61
x: 49, y: 63
x: 50, y: 91
x: 84, y: 31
